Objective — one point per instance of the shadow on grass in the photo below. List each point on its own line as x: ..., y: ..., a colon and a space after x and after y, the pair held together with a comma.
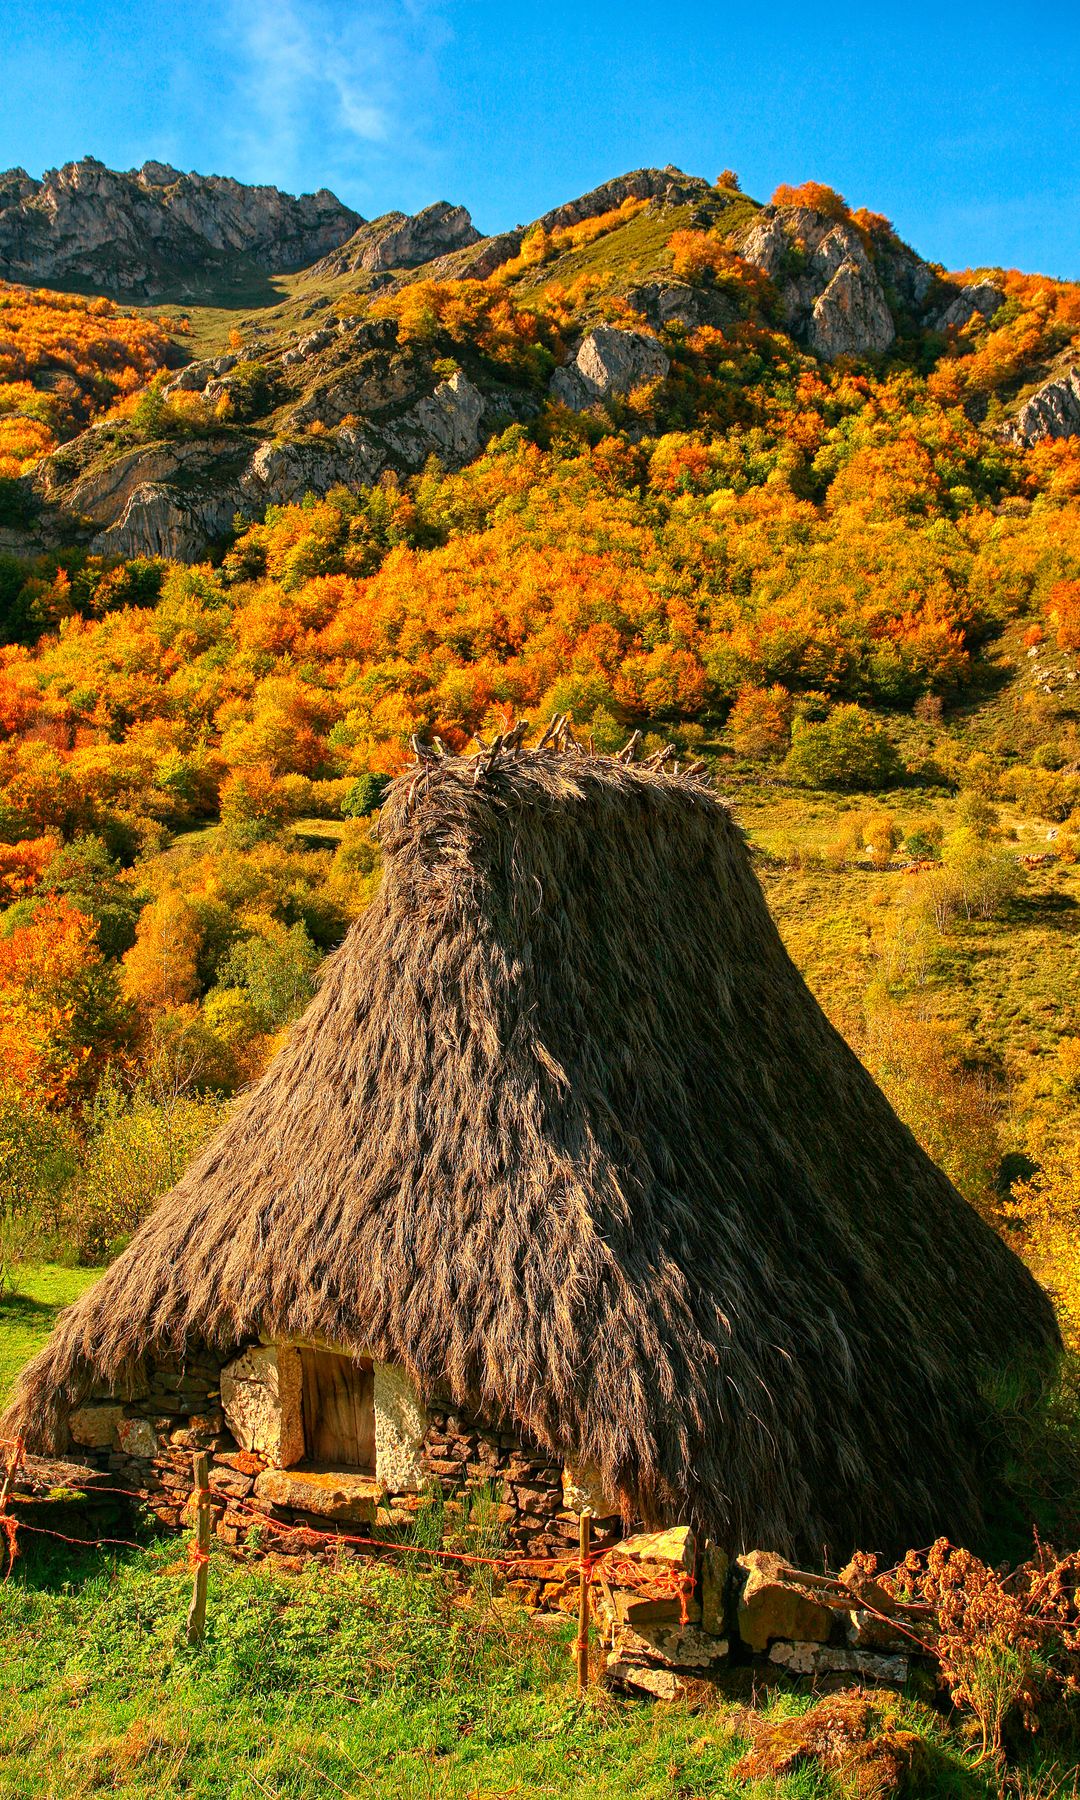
x: 49, y: 1565
x: 23, y: 1310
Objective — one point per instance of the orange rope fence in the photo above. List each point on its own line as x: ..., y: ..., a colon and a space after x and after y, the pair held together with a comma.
x: 618, y: 1571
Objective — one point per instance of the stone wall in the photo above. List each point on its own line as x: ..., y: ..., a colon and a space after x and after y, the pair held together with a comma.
x: 464, y: 1456
x: 146, y: 1438
x: 756, y: 1607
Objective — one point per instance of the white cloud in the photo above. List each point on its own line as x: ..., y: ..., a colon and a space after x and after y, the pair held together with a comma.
x: 328, y: 76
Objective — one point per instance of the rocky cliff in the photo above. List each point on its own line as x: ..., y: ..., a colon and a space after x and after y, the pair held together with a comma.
x: 154, y: 230
x: 833, y: 283
x: 344, y: 399
x: 348, y: 404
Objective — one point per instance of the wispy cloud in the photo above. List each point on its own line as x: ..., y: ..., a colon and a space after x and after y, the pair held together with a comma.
x: 328, y: 80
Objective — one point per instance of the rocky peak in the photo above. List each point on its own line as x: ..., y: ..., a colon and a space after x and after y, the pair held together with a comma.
x: 154, y: 230
x: 830, y: 285
x: 400, y: 240
x: 157, y: 174
x: 670, y: 185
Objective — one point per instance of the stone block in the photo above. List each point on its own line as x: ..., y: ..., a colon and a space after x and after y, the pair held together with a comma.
x: 772, y: 1605
x: 400, y: 1423
x: 137, y: 1437
x: 675, y: 1548
x: 659, y: 1684
x: 583, y: 1491
x: 645, y: 1609
x: 95, y: 1426
x: 230, y: 1482
x: 244, y: 1461
x: 261, y: 1396
x: 333, y: 1494
x: 714, y: 1578
x: 835, y: 1659
x: 680, y: 1646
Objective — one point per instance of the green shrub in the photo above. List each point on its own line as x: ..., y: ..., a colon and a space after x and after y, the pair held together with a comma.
x: 139, y: 1143
x: 847, y: 750
x: 365, y: 796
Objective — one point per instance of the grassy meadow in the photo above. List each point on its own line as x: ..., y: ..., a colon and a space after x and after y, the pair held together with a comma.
x: 28, y: 1311
x: 371, y: 1682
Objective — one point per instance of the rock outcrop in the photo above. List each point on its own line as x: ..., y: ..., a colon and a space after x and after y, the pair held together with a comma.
x: 1053, y: 411
x: 609, y: 361
x: 154, y: 230
x: 350, y: 404
x: 851, y: 316
x: 400, y: 241
x: 670, y: 185
x: 979, y: 297
x: 831, y: 288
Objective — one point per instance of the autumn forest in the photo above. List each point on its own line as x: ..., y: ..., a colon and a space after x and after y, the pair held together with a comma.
x: 849, y: 582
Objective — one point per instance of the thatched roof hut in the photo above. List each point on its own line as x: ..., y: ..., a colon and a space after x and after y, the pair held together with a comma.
x: 565, y: 1135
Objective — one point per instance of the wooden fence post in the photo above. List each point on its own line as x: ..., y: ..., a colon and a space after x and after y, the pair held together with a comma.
x: 584, y: 1535
x: 7, y: 1525
x: 196, y: 1619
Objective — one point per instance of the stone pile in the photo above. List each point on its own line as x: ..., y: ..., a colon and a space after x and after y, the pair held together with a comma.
x: 758, y: 1607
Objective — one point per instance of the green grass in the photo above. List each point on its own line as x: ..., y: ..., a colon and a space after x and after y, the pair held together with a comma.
x: 365, y: 1681
x: 29, y: 1310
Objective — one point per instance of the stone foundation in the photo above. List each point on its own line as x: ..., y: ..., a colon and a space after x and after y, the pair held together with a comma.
x: 243, y: 1410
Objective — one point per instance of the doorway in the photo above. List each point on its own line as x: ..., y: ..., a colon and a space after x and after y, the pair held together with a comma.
x: 338, y: 1409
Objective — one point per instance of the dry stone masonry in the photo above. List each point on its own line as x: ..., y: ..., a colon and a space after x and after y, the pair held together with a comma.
x: 668, y: 1608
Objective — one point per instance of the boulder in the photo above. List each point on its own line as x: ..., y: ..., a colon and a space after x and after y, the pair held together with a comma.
x: 610, y: 361
x: 772, y: 1604
x: 1053, y: 411
x: 308, y: 346
x: 333, y: 1494
x: 95, y: 1426
x: 261, y: 1396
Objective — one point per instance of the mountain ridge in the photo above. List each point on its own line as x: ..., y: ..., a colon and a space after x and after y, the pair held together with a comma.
x: 414, y: 337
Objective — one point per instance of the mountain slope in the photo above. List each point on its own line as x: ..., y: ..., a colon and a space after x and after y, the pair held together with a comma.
x: 416, y: 337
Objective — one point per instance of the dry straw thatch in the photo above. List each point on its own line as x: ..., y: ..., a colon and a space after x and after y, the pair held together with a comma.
x: 566, y: 1135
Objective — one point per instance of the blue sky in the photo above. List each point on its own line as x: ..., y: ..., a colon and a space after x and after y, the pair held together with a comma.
x: 960, y: 123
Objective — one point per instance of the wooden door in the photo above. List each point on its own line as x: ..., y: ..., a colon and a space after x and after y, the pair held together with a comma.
x: 339, y: 1410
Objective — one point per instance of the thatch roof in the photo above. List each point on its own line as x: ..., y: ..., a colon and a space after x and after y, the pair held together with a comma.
x: 565, y: 1133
